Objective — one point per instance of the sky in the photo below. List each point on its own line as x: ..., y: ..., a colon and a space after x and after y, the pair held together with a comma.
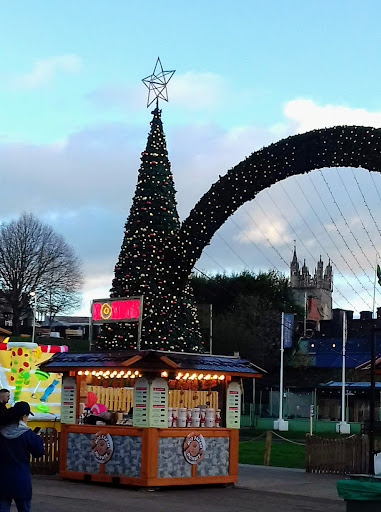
x: 73, y: 122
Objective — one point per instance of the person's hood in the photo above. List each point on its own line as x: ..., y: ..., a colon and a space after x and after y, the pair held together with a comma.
x: 15, y: 430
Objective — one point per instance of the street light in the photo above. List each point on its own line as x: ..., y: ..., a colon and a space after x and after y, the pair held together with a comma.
x: 34, y: 294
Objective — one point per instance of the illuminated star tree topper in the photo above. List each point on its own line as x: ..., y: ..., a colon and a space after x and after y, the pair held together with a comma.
x: 157, y: 83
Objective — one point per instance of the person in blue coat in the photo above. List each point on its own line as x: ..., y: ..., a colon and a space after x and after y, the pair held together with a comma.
x: 17, y: 443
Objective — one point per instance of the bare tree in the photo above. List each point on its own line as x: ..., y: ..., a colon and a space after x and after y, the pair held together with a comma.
x: 33, y: 257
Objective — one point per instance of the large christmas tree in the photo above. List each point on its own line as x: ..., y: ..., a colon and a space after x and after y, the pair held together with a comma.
x: 169, y: 315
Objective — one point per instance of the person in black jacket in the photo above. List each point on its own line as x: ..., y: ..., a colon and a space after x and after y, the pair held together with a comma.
x: 17, y: 443
x: 4, y: 398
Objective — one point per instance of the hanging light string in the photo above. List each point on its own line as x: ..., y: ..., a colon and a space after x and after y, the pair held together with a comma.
x: 277, y: 322
x: 205, y: 253
x: 316, y: 341
x: 233, y: 251
x: 323, y: 249
x: 334, y: 243
x: 279, y: 254
x: 256, y: 202
x: 264, y: 236
x: 366, y: 204
x: 336, y: 289
x: 362, y: 223
x: 346, y: 223
x: 311, y: 255
x: 375, y: 187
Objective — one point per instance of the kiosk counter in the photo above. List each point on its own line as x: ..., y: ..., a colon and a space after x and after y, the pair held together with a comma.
x: 150, y: 418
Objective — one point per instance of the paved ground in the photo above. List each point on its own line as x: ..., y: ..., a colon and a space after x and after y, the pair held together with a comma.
x: 288, y: 481
x: 262, y: 489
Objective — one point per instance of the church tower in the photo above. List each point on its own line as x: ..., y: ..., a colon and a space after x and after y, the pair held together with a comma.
x: 294, y: 270
x: 317, y: 288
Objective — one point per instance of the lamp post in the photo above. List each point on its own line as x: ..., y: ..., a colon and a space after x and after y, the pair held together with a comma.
x: 34, y: 294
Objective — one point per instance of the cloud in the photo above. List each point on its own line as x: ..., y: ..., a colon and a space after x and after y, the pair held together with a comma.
x: 83, y: 185
x: 264, y: 230
x: 45, y: 70
x: 304, y: 115
x: 193, y: 90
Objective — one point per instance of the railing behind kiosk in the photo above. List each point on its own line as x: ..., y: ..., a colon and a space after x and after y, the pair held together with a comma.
x: 48, y: 463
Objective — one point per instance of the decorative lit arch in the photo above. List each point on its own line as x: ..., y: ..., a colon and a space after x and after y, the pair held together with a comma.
x: 341, y: 146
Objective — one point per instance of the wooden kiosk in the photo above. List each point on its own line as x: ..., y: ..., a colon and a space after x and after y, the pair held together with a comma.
x: 169, y: 418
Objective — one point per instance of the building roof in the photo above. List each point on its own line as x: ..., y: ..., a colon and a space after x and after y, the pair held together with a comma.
x: 351, y: 385
x: 66, y: 321
x: 326, y: 352
x: 152, y: 360
x: 367, y: 366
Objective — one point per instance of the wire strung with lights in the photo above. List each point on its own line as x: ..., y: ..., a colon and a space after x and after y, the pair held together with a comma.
x: 341, y: 254
x: 349, y: 229
x: 169, y: 314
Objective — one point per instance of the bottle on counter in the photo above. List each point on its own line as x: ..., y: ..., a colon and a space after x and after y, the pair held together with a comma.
x: 174, y: 416
x: 202, y: 418
x: 189, y: 417
x: 218, y: 417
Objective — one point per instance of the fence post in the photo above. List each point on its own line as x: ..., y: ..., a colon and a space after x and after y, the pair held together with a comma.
x: 269, y: 436
x: 308, y: 449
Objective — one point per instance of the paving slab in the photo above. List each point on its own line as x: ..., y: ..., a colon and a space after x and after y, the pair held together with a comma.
x: 288, y: 481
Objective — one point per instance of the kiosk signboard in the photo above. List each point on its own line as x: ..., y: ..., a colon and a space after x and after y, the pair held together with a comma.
x: 68, y: 398
x: 158, y: 400
x: 141, y: 397
x: 233, y: 405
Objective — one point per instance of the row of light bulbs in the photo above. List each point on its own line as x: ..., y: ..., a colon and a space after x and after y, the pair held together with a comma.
x: 194, y: 376
x: 111, y: 375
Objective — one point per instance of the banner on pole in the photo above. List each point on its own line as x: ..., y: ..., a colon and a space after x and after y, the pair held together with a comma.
x: 288, y: 328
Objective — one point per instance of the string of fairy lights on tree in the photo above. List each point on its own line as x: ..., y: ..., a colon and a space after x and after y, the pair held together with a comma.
x: 169, y: 314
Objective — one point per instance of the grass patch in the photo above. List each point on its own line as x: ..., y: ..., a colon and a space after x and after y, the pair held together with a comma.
x: 283, y: 454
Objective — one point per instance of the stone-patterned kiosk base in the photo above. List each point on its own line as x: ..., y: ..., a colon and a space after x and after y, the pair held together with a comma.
x: 148, y: 456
